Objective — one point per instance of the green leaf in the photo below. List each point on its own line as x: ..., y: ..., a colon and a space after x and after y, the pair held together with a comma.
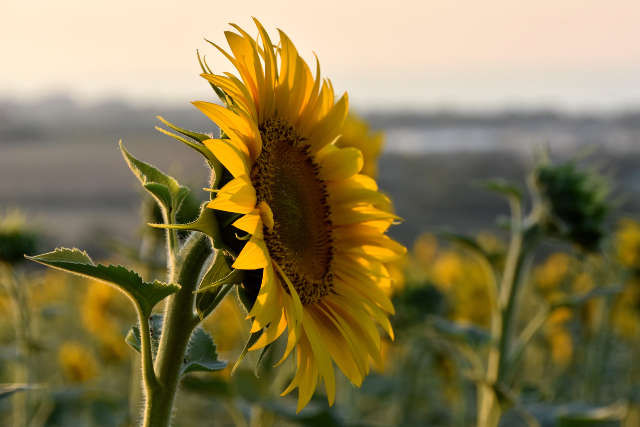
x: 206, y: 223
x: 165, y: 189
x: 502, y: 187
x: 6, y: 390
x: 155, y: 329
x: 160, y: 192
x: 144, y: 294
x: 201, y: 354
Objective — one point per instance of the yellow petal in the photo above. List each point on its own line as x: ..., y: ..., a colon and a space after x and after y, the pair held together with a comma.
x: 232, y: 155
x: 341, y: 163
x: 270, y: 333
x: 346, y: 215
x: 251, y: 223
x: 238, y: 195
x: 319, y: 352
x: 253, y: 256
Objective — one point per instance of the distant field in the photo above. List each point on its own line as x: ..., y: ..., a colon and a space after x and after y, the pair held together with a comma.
x: 60, y: 163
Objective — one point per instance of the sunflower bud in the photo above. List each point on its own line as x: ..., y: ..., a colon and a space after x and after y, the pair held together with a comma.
x: 16, y: 239
x: 573, y: 203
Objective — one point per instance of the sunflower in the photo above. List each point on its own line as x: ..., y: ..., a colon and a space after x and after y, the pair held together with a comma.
x: 316, y: 225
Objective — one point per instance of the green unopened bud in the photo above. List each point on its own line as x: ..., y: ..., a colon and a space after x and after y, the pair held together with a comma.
x: 574, y: 203
x: 16, y: 239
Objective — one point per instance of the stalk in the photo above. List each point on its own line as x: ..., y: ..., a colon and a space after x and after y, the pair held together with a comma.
x: 22, y: 331
x: 523, y: 240
x: 179, y: 321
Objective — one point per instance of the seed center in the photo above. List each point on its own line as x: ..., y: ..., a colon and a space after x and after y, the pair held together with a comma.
x: 286, y: 178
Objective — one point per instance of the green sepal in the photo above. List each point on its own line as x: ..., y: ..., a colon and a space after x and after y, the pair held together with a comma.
x: 144, y: 294
x: 196, y: 136
x: 233, y: 278
x: 215, y: 285
x: 206, y: 223
x: 207, y: 70
x: 165, y: 189
x: 198, y: 147
x: 201, y: 354
x: 251, y: 341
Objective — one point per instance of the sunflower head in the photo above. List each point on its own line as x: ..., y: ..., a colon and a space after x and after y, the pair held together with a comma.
x: 574, y: 203
x: 16, y: 239
x: 309, y: 226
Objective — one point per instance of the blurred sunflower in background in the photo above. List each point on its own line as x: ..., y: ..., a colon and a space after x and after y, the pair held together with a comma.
x: 77, y: 362
x: 316, y: 224
x: 102, y: 309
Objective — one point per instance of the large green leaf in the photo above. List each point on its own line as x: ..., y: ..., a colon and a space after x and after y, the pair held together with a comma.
x: 165, y: 189
x: 145, y: 294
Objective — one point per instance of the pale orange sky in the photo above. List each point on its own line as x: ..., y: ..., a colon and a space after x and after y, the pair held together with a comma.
x: 469, y: 54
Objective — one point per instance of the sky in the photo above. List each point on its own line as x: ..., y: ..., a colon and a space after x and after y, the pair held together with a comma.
x: 491, y: 54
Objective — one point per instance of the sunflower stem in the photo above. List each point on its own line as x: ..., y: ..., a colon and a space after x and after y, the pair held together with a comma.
x: 149, y: 379
x: 178, y: 324
x: 524, y: 238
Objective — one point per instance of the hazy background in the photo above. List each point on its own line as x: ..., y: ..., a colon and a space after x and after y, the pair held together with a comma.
x: 463, y: 90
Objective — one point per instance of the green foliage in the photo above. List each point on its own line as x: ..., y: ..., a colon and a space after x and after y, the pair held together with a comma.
x: 155, y: 329
x: 205, y: 223
x: 201, y: 352
x: 144, y: 294
x: 215, y: 284
x: 165, y: 189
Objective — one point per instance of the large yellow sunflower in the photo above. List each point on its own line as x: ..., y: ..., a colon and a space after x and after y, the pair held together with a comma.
x: 317, y: 226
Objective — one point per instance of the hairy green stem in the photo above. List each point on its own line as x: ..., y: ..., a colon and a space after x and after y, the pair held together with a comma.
x: 178, y: 323
x: 148, y: 374
x: 521, y: 245
x: 22, y: 330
